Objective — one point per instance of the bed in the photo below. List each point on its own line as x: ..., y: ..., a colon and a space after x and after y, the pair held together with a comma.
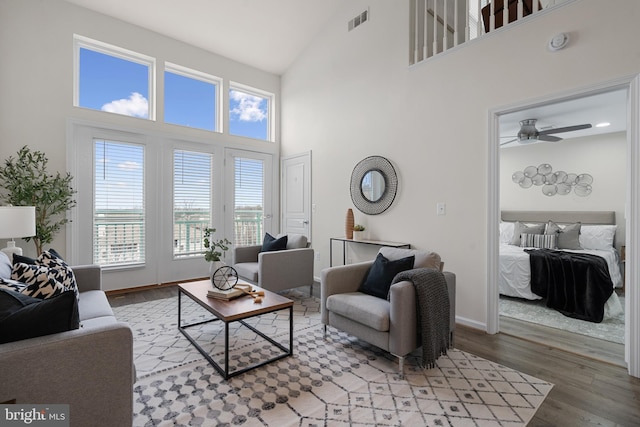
x: 596, y: 236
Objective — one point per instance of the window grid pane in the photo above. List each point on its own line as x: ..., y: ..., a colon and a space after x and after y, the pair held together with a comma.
x: 249, y: 114
x: 249, y: 206
x: 113, y: 84
x: 119, y: 212
x: 189, y: 101
x: 191, y: 201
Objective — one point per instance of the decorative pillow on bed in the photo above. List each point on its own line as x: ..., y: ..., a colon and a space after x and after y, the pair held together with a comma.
x: 540, y: 241
x: 597, y: 236
x: 568, y: 236
x: 506, y: 232
x: 521, y: 228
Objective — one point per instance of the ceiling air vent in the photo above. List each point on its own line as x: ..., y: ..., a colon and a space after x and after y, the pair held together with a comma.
x: 359, y: 20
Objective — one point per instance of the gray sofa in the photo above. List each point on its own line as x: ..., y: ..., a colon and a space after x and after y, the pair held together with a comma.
x: 91, y: 368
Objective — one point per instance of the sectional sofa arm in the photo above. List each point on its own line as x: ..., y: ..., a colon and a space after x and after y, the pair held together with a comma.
x: 88, y: 277
x: 246, y: 254
x: 92, y: 368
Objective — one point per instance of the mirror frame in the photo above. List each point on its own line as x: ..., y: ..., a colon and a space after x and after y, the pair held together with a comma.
x: 385, y: 168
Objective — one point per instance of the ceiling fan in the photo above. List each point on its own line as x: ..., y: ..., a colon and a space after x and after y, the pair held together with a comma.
x: 529, y: 133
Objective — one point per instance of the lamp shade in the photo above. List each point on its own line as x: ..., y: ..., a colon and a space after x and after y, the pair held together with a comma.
x: 17, y: 221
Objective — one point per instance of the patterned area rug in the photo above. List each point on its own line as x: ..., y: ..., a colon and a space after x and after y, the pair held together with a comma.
x: 337, y: 380
x: 610, y: 329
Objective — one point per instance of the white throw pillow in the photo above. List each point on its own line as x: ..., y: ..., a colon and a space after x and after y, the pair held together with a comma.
x: 597, y: 236
x: 506, y: 232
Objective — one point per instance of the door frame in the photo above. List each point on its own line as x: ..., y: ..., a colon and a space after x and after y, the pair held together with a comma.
x: 632, y: 272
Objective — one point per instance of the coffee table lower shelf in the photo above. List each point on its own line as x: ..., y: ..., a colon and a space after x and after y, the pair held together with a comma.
x: 225, y: 372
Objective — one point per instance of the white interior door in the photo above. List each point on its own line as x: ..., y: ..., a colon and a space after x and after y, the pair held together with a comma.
x: 249, y: 196
x: 296, y: 194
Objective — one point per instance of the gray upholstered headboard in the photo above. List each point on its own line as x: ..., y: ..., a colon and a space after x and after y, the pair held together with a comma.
x: 561, y: 217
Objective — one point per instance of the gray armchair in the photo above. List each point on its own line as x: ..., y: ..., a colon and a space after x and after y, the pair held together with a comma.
x: 388, y: 324
x: 277, y: 270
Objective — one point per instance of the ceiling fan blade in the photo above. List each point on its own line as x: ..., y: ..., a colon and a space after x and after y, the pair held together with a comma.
x: 549, y: 138
x: 508, y: 142
x: 564, y: 129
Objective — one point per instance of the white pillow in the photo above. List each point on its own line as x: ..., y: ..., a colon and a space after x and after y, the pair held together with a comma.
x: 597, y: 236
x: 506, y: 232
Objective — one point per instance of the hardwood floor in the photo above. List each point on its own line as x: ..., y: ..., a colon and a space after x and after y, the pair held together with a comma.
x: 586, y: 392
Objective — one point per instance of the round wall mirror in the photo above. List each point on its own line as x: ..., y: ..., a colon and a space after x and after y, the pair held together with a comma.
x: 373, y: 185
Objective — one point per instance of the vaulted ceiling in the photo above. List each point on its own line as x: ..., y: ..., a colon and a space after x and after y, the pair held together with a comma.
x: 267, y: 35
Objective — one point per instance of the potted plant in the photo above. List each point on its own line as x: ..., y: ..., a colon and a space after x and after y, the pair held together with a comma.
x: 25, y: 181
x: 214, y: 249
x: 358, y: 232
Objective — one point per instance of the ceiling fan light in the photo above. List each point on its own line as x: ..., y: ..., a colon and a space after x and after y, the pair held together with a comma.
x: 603, y: 125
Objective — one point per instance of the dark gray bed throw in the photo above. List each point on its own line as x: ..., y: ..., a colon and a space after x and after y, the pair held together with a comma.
x: 432, y: 307
x: 577, y: 285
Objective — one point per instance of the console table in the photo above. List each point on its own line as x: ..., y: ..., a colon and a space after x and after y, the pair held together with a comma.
x: 344, y: 241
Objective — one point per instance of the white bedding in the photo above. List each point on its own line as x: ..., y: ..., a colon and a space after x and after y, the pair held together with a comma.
x: 514, y: 273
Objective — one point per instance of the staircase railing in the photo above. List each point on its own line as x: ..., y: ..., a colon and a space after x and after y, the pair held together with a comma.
x: 437, y: 26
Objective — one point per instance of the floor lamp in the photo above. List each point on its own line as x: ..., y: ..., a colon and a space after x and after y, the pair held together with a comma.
x: 16, y: 221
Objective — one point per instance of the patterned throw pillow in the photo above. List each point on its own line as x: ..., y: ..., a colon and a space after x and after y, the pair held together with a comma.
x: 48, y: 277
x: 540, y: 241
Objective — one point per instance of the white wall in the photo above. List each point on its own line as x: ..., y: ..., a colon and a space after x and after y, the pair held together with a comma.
x: 351, y: 95
x: 604, y: 157
x: 36, y: 80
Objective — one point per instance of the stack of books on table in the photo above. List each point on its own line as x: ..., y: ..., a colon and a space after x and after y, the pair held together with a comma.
x: 237, y: 291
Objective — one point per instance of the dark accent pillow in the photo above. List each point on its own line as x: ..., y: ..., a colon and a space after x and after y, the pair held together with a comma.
x: 270, y: 243
x: 520, y: 228
x: 382, y: 272
x: 22, y: 316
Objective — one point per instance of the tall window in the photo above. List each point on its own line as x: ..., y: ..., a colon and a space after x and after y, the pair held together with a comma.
x: 250, y: 112
x: 112, y: 79
x: 249, y: 201
x: 191, y: 98
x: 118, y: 210
x: 191, y: 201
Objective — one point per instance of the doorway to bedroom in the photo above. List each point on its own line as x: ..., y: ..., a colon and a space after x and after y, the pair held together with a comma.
x: 569, y: 158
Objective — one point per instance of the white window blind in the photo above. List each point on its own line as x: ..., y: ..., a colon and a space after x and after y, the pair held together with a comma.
x: 191, y: 201
x: 119, y: 211
x: 249, y: 206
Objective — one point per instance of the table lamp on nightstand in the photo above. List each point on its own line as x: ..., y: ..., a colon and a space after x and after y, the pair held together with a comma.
x: 16, y: 221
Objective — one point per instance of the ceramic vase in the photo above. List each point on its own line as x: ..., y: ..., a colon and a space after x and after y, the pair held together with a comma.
x: 348, y: 224
x: 213, y: 266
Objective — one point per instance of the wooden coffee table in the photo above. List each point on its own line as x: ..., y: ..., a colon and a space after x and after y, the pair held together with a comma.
x: 236, y: 310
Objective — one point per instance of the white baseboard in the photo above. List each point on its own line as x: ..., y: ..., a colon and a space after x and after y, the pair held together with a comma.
x: 471, y: 323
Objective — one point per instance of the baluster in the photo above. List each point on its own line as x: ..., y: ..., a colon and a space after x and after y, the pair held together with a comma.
x: 492, y: 16
x: 535, y: 6
x: 467, y: 28
x: 445, y: 27
x: 416, y: 31
x: 426, y: 31
x: 435, y: 27
x: 520, y: 9
x: 505, y: 12
x: 455, y: 23
x: 479, y: 26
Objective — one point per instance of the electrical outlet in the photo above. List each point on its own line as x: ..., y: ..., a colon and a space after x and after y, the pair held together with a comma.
x: 317, y: 256
x: 441, y: 208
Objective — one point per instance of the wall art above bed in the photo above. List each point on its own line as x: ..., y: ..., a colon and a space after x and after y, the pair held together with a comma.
x: 553, y: 183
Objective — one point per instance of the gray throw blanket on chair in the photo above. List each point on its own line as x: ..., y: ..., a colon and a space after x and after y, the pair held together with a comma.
x: 432, y: 308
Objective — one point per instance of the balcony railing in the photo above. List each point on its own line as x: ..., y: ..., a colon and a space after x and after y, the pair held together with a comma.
x: 437, y: 26
x: 119, y: 236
